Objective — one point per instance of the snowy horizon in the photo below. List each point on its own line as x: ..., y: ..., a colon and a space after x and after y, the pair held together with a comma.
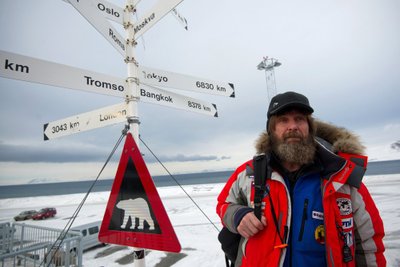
x: 189, y: 223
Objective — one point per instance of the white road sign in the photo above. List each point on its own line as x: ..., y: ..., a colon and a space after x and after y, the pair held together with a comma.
x: 163, y: 78
x: 158, y: 96
x: 153, y: 16
x: 30, y: 69
x: 108, y: 10
x: 180, y: 18
x: 88, y: 11
x: 86, y: 121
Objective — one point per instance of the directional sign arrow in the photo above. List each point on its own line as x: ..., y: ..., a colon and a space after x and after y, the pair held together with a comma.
x: 86, y: 121
x: 153, y: 16
x: 30, y: 69
x: 163, y: 78
x: 89, y: 12
x: 158, y: 96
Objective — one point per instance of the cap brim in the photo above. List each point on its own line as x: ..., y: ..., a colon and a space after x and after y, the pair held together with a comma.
x: 292, y: 105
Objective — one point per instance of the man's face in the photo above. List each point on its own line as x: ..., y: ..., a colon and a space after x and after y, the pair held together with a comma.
x: 291, y: 140
x: 291, y: 127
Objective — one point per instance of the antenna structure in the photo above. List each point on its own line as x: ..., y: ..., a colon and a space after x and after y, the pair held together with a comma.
x: 268, y: 65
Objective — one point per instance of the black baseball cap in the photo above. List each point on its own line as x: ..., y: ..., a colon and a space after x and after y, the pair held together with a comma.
x: 288, y: 100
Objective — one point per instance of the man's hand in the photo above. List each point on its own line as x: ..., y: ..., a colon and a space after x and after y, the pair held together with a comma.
x: 250, y: 225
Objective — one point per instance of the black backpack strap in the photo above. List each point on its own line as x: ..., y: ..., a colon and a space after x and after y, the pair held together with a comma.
x: 263, y: 171
x: 230, y: 241
x: 260, y: 175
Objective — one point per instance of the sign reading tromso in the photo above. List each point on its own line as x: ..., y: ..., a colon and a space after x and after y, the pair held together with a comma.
x: 35, y: 70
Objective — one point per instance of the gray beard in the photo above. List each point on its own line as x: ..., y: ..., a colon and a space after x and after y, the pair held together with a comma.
x: 300, y: 153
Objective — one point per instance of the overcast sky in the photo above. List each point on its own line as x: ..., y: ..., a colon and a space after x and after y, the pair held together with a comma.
x: 343, y: 55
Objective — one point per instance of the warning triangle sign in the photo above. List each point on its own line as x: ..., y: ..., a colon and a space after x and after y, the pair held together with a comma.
x: 135, y: 215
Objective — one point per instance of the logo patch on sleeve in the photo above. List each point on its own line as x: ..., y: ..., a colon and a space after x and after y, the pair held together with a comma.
x: 319, y: 234
x: 349, y: 238
x: 347, y: 223
x: 318, y: 215
x: 344, y: 205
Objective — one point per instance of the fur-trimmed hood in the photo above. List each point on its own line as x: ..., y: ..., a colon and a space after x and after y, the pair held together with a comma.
x: 340, y: 139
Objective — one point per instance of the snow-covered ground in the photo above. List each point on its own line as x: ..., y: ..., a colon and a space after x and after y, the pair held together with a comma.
x: 197, y: 236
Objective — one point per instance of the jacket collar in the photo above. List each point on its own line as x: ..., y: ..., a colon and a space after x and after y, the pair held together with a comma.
x: 330, y: 140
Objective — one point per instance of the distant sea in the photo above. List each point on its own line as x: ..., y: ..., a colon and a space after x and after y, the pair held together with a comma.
x: 47, y: 189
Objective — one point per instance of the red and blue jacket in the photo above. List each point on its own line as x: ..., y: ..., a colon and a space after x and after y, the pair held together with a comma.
x: 326, y: 218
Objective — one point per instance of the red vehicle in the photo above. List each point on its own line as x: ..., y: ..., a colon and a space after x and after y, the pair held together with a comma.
x: 45, y: 213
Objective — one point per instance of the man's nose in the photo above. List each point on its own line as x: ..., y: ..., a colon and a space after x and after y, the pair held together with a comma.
x: 292, y: 125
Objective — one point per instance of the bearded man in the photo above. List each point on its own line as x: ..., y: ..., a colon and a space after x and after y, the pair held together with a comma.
x: 315, y: 210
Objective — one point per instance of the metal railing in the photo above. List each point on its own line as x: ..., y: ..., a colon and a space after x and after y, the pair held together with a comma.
x: 30, y: 245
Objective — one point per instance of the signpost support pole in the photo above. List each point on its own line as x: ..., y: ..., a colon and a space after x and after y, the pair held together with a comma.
x: 133, y: 95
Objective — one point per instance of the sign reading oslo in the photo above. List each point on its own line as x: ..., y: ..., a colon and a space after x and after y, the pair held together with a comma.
x: 108, y: 10
x: 135, y: 215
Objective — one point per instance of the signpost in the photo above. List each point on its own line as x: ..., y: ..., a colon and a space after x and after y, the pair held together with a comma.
x: 133, y: 190
x: 115, y: 13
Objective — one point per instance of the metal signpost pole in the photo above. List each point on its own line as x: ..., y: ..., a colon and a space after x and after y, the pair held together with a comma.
x: 19, y: 67
x: 133, y: 95
x: 132, y: 71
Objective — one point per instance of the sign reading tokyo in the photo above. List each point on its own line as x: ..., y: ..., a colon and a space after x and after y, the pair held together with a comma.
x: 170, y: 79
x: 30, y: 69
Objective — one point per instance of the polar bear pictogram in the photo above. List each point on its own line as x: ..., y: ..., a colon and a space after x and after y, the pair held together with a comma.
x: 136, y: 208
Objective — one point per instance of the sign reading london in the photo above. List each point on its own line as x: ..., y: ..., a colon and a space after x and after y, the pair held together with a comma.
x: 86, y: 121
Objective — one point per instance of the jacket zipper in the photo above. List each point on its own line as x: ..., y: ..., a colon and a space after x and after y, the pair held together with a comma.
x: 303, y: 219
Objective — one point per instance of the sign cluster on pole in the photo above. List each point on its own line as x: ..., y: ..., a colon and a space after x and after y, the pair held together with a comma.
x: 135, y: 215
